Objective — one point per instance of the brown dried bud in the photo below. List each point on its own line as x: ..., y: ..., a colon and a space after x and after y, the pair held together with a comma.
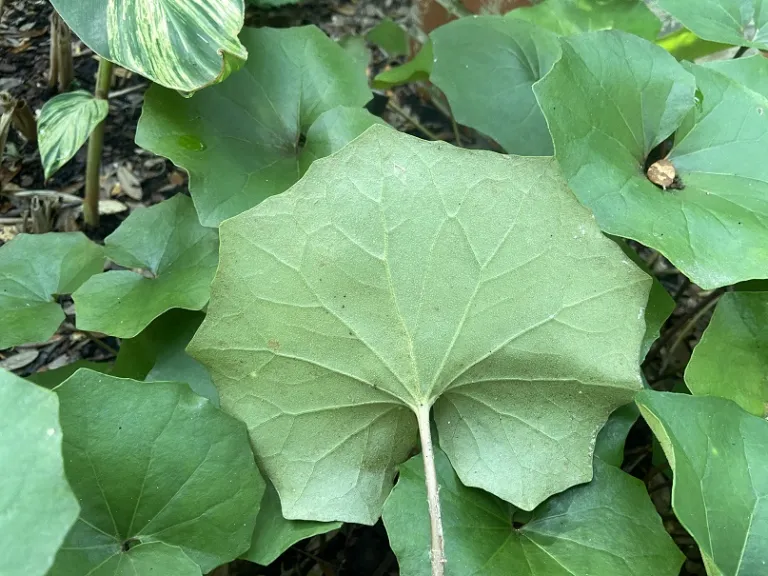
x: 662, y: 173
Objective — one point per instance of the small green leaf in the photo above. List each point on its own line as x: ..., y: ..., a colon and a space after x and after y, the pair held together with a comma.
x: 751, y: 72
x: 37, y: 507
x: 419, y: 274
x: 416, y: 69
x: 610, y: 100
x: 274, y: 534
x: 737, y: 22
x: 184, y: 44
x: 604, y: 528
x: 177, y: 259
x: 609, y: 446
x: 731, y: 360
x: 720, y: 491
x: 570, y: 17
x: 153, y: 462
x: 52, y: 378
x: 34, y: 268
x: 65, y: 124
x: 505, y: 56
x: 685, y: 45
x: 390, y: 37
x: 243, y: 140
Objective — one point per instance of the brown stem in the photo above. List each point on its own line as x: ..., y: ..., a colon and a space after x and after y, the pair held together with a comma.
x: 53, y: 67
x: 24, y: 121
x: 64, y: 49
x: 437, y: 547
x: 95, y: 146
x: 5, y: 126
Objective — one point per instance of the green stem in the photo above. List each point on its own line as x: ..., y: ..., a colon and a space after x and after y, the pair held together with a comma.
x: 414, y: 122
x: 95, y: 146
x: 437, y: 547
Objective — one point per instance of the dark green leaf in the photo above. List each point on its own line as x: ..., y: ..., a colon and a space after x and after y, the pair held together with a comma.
x: 610, y: 441
x: 390, y: 37
x: 416, y: 69
x: 153, y: 462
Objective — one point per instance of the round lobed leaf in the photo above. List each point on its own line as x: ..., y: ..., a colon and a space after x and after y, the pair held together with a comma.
x: 34, y: 268
x: 610, y: 100
x: 168, y: 244
x: 245, y: 139
x: 398, y: 274
x: 720, y: 489
x: 65, y: 124
x: 731, y: 359
x: 153, y: 463
x: 603, y: 528
x: 181, y: 44
x: 37, y: 506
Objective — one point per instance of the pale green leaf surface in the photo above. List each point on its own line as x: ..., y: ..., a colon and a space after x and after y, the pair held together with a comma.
x: 390, y: 37
x: 33, y: 269
x: 274, y: 534
x: 569, y: 17
x: 418, y: 273
x: 357, y: 49
x: 731, y: 359
x: 417, y: 68
x: 751, y: 71
x: 178, y: 255
x: 504, y: 56
x: 37, y: 507
x: 720, y: 490
x: 65, y: 124
x: 610, y: 100
x: 737, y: 22
x: 150, y: 559
x: 242, y: 141
x: 181, y: 44
x: 605, y: 528
x: 153, y: 462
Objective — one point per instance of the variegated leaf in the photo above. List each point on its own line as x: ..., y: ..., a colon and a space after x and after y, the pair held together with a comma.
x: 66, y: 122
x: 181, y: 44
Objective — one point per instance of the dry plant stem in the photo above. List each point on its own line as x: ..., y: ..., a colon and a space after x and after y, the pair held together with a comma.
x: 95, y: 146
x: 24, y: 121
x: 437, y: 548
x: 53, y: 67
x: 5, y: 126
x: 64, y: 48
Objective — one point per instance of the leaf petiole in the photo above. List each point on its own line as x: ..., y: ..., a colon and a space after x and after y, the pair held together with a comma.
x: 437, y: 549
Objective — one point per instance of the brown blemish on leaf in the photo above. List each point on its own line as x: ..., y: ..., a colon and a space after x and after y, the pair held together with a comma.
x: 273, y: 345
x: 662, y: 173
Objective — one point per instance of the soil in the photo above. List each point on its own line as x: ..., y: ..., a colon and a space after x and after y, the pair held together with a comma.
x: 132, y: 177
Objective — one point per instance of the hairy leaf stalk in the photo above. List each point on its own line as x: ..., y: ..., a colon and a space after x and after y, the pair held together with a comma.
x: 95, y: 146
x: 437, y: 548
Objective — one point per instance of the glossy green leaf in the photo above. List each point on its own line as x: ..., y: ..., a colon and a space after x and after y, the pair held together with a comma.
x: 685, y: 45
x: 731, y: 360
x: 390, y: 37
x: 720, y: 491
x: 604, y: 528
x: 416, y: 69
x: 175, y: 258
x: 153, y: 462
x: 569, y: 17
x: 184, y: 45
x: 504, y: 56
x: 418, y: 274
x: 610, y: 100
x: 37, y: 507
x: 737, y: 22
x: 751, y: 72
x: 274, y: 534
x: 244, y: 140
x: 34, y: 268
x: 65, y: 124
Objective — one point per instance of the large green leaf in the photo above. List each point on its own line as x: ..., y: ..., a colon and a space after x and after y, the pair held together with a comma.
x: 610, y: 100
x: 751, y: 71
x: 604, y: 528
x: 65, y: 124
x: 34, y: 268
x: 731, y: 360
x: 720, y: 491
x: 416, y: 274
x: 181, y: 44
x: 486, y: 67
x: 153, y: 462
x: 737, y: 22
x: 245, y: 139
x: 685, y: 45
x: 175, y: 258
x: 274, y: 534
x: 568, y: 17
x: 37, y: 507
